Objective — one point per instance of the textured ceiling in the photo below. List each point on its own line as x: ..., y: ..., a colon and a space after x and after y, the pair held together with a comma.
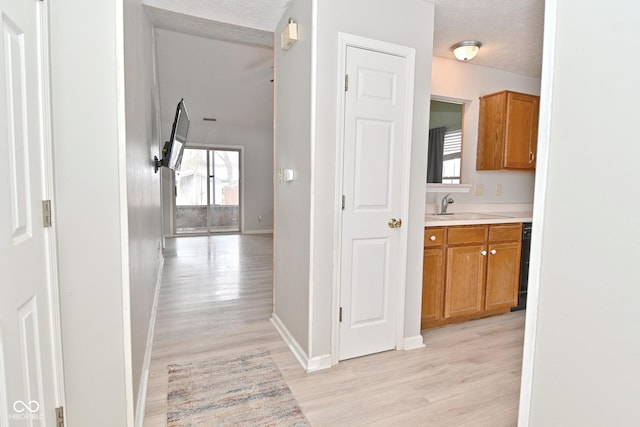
x: 239, y: 50
x: 259, y: 14
x: 510, y: 32
x: 195, y: 25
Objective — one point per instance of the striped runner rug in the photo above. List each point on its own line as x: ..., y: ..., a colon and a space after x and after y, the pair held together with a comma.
x: 239, y: 390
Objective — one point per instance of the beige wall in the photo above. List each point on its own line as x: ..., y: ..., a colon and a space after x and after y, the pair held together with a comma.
x: 582, y: 344
x: 306, y: 142
x: 88, y: 110
x: 467, y: 82
x: 293, y: 88
x: 143, y: 185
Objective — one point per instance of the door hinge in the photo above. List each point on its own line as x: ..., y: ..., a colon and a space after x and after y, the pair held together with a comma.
x: 175, y: 191
x: 60, y: 416
x: 343, y: 201
x: 340, y: 317
x: 346, y: 82
x: 46, y: 213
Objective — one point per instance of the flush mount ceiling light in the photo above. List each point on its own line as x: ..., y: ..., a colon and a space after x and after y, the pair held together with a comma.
x: 466, y: 50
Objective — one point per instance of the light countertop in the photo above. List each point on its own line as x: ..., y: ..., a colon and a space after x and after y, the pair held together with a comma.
x: 484, y: 214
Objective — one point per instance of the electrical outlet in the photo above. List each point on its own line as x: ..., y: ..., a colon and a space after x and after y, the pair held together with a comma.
x: 479, y: 189
x: 498, y: 189
x: 260, y: 218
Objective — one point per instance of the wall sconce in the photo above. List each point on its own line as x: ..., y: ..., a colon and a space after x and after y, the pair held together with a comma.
x: 466, y: 50
x: 289, y: 36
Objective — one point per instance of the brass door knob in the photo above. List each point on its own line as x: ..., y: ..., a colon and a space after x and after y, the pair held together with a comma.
x: 395, y: 223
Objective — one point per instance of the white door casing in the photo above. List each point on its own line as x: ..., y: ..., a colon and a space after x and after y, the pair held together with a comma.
x: 30, y: 351
x: 375, y: 184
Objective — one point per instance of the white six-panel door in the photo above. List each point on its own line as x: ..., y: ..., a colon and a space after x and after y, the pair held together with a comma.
x: 373, y: 172
x: 28, y: 385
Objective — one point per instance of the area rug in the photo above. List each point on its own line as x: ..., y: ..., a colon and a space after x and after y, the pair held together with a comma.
x: 239, y: 390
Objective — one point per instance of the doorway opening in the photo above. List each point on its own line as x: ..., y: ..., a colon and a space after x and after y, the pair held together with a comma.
x: 207, y: 192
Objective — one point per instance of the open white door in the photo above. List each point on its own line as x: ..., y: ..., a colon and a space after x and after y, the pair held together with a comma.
x: 30, y: 387
x: 375, y: 185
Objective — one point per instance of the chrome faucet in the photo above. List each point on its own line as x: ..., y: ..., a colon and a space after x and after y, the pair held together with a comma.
x: 444, y: 204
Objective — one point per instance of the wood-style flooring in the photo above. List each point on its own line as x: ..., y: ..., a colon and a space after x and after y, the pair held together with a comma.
x: 216, y: 298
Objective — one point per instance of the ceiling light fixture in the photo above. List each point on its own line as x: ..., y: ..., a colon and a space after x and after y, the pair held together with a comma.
x: 466, y: 50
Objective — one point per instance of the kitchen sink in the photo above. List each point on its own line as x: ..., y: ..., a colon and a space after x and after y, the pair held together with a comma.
x: 464, y: 216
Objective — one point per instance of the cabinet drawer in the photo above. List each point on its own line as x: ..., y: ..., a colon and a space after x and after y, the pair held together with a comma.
x: 434, y: 236
x: 505, y: 232
x: 467, y: 234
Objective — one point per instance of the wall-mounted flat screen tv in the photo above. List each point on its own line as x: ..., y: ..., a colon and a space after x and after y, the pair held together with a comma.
x: 174, y: 147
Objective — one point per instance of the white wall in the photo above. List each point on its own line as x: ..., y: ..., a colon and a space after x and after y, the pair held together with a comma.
x: 306, y: 141
x: 143, y: 185
x: 467, y: 82
x: 205, y: 73
x: 88, y: 107
x: 582, y: 345
x: 410, y: 25
x: 293, y: 199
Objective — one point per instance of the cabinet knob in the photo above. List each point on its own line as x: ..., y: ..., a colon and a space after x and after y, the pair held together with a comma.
x: 493, y: 251
x: 432, y: 238
x: 484, y: 253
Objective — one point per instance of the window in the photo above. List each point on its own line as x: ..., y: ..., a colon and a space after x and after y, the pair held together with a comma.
x: 452, y: 157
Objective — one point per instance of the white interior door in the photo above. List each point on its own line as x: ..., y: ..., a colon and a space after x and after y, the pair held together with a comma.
x: 28, y: 383
x: 374, y: 146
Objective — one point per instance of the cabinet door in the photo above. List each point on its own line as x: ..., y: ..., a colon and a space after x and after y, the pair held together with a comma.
x: 464, y: 280
x: 521, y: 131
x: 503, y: 273
x: 432, y: 286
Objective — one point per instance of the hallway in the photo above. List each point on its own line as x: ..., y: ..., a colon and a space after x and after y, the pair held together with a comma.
x: 216, y: 298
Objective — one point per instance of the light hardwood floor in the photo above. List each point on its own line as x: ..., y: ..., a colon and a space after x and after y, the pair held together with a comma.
x: 216, y: 298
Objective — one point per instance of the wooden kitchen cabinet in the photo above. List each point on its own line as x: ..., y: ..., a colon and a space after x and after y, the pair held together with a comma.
x: 508, y: 131
x: 432, y: 276
x: 469, y: 271
x: 465, y: 270
x: 503, y: 266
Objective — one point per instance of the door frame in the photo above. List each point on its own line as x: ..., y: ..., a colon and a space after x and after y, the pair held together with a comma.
x: 240, y: 150
x: 345, y: 41
x: 50, y: 234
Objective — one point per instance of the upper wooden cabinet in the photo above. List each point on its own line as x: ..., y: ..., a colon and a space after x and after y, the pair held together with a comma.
x: 508, y: 131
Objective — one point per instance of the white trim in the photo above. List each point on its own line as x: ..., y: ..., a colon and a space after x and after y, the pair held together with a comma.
x: 4, y: 412
x: 337, y: 210
x: 319, y: 363
x: 125, y: 287
x: 344, y: 41
x: 539, y: 204
x: 413, y: 343
x: 257, y: 232
x: 51, y: 247
x: 313, y: 364
x: 313, y: 169
x: 295, y: 348
x: 146, y: 364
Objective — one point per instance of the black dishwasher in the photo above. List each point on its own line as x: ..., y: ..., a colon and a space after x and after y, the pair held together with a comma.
x: 524, y: 267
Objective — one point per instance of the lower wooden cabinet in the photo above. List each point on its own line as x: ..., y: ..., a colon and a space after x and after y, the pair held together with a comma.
x: 469, y: 272
x: 433, y: 275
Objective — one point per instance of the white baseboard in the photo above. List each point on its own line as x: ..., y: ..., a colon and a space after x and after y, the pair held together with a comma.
x: 319, y: 363
x: 295, y: 348
x: 144, y: 379
x: 309, y: 365
x: 412, y: 343
x: 257, y: 232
